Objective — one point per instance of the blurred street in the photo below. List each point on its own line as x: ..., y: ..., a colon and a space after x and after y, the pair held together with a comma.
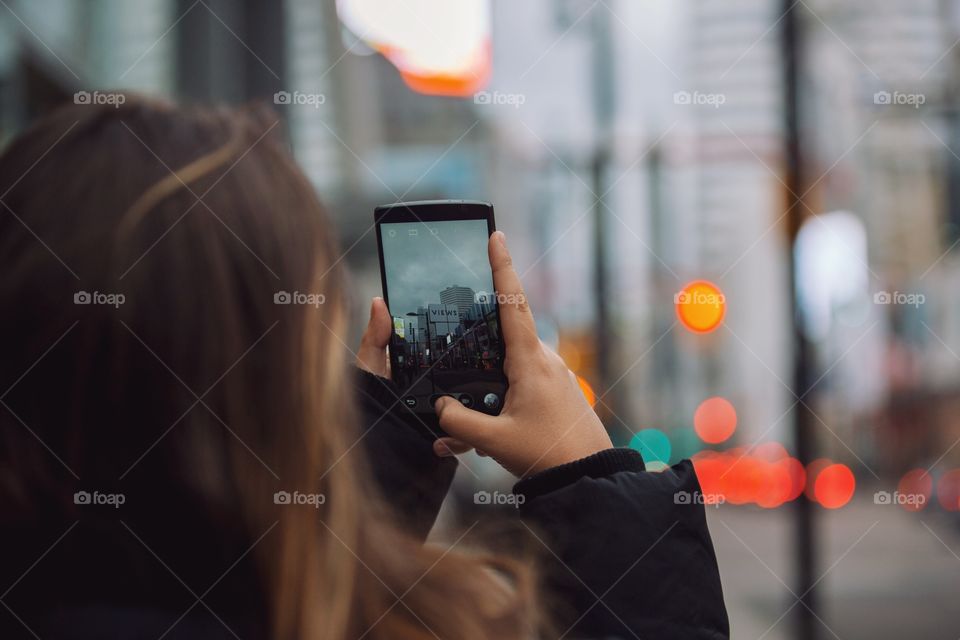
x: 885, y: 574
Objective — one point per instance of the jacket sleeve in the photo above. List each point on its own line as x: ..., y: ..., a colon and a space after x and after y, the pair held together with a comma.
x: 627, y: 552
x: 399, y: 448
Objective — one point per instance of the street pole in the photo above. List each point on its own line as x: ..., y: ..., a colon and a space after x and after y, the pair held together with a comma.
x: 804, y: 543
x: 603, y: 111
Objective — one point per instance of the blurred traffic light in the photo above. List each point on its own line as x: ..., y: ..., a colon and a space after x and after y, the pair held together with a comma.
x: 700, y: 306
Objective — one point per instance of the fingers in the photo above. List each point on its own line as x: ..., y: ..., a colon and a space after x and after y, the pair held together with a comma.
x: 445, y: 447
x: 465, y: 425
x: 519, y: 330
x: 372, y: 355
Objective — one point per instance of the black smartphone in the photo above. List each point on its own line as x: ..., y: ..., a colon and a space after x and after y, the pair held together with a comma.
x: 438, y: 286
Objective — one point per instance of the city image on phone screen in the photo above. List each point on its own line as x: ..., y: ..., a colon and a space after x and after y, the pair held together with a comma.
x: 446, y: 334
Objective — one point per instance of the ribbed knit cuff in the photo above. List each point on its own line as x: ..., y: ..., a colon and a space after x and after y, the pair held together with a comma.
x: 385, y: 395
x: 381, y: 390
x: 598, y: 465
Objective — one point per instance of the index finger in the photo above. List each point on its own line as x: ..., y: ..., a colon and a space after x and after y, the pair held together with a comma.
x: 519, y: 330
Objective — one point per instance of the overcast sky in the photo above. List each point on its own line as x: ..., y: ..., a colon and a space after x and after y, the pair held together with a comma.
x: 419, y: 267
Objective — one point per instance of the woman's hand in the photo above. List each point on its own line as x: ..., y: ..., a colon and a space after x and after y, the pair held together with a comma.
x: 545, y: 421
x: 372, y: 357
x: 372, y: 354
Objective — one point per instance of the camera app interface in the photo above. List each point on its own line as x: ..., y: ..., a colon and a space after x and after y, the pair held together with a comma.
x: 446, y: 338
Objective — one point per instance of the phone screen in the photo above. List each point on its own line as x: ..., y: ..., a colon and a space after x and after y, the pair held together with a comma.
x: 446, y: 331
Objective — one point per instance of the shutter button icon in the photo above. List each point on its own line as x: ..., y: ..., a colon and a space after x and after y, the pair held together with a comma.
x: 491, y: 401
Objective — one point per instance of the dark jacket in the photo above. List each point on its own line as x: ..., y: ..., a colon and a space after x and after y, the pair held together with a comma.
x: 627, y: 552
x: 622, y: 558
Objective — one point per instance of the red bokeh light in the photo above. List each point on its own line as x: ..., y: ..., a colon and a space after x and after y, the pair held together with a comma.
x: 715, y: 420
x: 834, y: 486
x: 770, y: 451
x: 765, y: 475
x: 768, y: 477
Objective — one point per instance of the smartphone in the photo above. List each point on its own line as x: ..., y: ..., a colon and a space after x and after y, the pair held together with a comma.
x: 438, y: 285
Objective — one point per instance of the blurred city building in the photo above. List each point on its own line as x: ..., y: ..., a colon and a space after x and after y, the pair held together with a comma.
x: 685, y: 149
x: 693, y: 170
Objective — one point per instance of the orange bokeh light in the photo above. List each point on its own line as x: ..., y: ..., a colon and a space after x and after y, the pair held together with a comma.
x: 715, y: 420
x: 834, y: 486
x: 440, y: 48
x: 465, y: 84
x: 700, y: 306
x: 587, y: 390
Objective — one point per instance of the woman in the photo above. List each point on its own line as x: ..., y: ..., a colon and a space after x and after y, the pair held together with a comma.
x: 183, y: 457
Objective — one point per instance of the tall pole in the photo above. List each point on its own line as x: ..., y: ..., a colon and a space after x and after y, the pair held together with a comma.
x: 805, y: 558
x: 603, y: 92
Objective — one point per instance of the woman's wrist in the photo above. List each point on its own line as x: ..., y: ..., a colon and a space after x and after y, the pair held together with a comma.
x: 597, y: 465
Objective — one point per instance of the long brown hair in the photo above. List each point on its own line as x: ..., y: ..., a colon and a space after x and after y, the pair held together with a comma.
x: 147, y: 251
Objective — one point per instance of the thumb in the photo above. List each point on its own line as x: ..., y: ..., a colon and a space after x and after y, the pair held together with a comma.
x: 467, y: 425
x: 372, y: 353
